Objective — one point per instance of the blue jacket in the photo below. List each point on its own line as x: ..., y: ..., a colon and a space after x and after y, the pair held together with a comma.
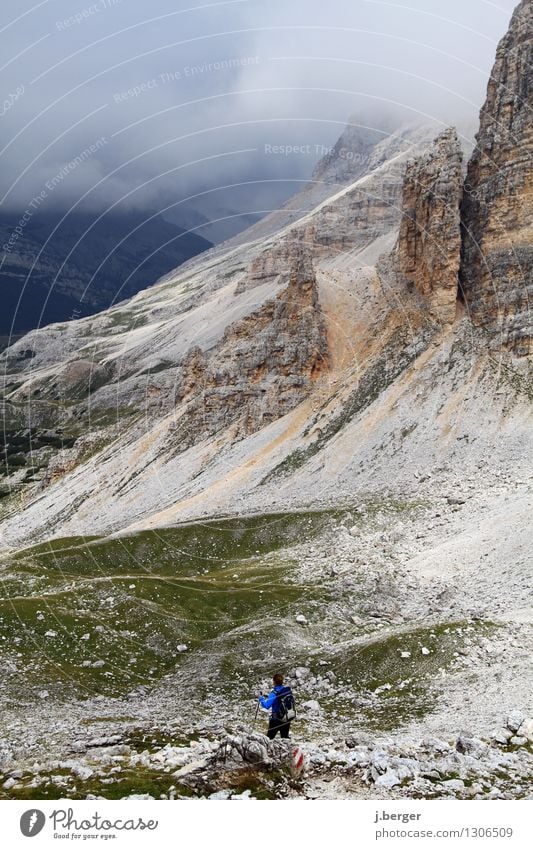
x: 271, y: 701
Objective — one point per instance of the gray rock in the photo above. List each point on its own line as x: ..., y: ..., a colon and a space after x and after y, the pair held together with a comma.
x: 255, y: 753
x: 388, y: 779
x: 301, y: 673
x: 526, y: 729
x: 470, y: 745
x: 501, y: 736
x: 515, y: 720
x: 455, y: 784
x: 242, y: 797
x: 312, y: 706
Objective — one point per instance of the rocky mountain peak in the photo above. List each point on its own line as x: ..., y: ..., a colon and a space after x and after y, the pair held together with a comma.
x: 497, y: 209
x: 351, y: 154
x: 429, y: 244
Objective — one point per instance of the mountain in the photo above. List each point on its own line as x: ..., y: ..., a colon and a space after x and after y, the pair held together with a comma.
x: 161, y: 352
x: 310, y: 448
x: 59, y: 270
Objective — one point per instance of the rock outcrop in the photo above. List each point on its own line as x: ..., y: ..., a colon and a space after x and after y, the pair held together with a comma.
x: 497, y: 209
x: 289, y: 258
x: 429, y: 244
x: 266, y: 363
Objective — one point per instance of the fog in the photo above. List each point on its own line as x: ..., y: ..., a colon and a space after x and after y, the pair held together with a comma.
x: 145, y: 104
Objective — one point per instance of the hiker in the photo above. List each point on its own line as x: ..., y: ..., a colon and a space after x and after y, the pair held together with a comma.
x: 281, y: 700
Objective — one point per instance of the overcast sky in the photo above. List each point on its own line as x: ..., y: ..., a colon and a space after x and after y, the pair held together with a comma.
x: 184, y: 95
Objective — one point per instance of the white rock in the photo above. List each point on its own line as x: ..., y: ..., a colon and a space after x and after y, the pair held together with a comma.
x: 515, y: 720
x: 220, y: 794
x: 245, y: 795
x: 405, y: 654
x: 526, y: 729
x: 191, y: 767
x: 312, y: 705
x: 133, y: 796
x: 425, y: 650
x: 380, y: 762
x: 454, y: 784
x: 51, y: 634
x: 302, y: 672
x: 300, y: 618
x: 255, y: 752
x: 43, y: 694
x: 182, y: 647
x: 501, y: 736
x: 83, y: 772
x: 390, y: 778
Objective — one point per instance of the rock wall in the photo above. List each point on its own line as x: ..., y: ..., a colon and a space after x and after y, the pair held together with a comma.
x: 497, y: 209
x: 290, y: 257
x: 429, y: 244
x: 266, y: 363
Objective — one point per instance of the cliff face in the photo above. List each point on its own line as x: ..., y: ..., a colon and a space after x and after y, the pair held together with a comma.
x: 289, y: 259
x: 429, y: 244
x: 266, y: 363
x: 497, y: 209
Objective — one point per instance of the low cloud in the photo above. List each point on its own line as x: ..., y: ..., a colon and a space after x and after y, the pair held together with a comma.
x: 190, y: 96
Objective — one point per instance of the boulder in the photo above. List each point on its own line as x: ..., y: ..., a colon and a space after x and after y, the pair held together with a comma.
x: 470, y: 745
x: 526, y: 729
x: 388, y: 779
x: 515, y: 720
x: 501, y: 736
x: 454, y: 784
x: 312, y: 706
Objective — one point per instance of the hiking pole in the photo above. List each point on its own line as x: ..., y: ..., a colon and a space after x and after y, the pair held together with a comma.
x: 256, y: 712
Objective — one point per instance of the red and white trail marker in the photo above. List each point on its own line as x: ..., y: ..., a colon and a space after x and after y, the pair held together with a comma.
x: 297, y: 760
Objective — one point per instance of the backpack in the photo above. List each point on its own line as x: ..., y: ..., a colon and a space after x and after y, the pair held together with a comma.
x: 285, y: 707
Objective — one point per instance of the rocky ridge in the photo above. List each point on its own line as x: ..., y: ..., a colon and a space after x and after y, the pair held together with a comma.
x: 497, y: 209
x: 429, y: 243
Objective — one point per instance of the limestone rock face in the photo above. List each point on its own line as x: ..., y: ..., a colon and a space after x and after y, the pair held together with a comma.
x: 429, y: 244
x: 266, y: 363
x: 288, y: 259
x: 497, y: 210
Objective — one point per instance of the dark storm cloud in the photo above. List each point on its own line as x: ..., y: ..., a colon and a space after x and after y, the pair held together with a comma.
x: 178, y: 98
